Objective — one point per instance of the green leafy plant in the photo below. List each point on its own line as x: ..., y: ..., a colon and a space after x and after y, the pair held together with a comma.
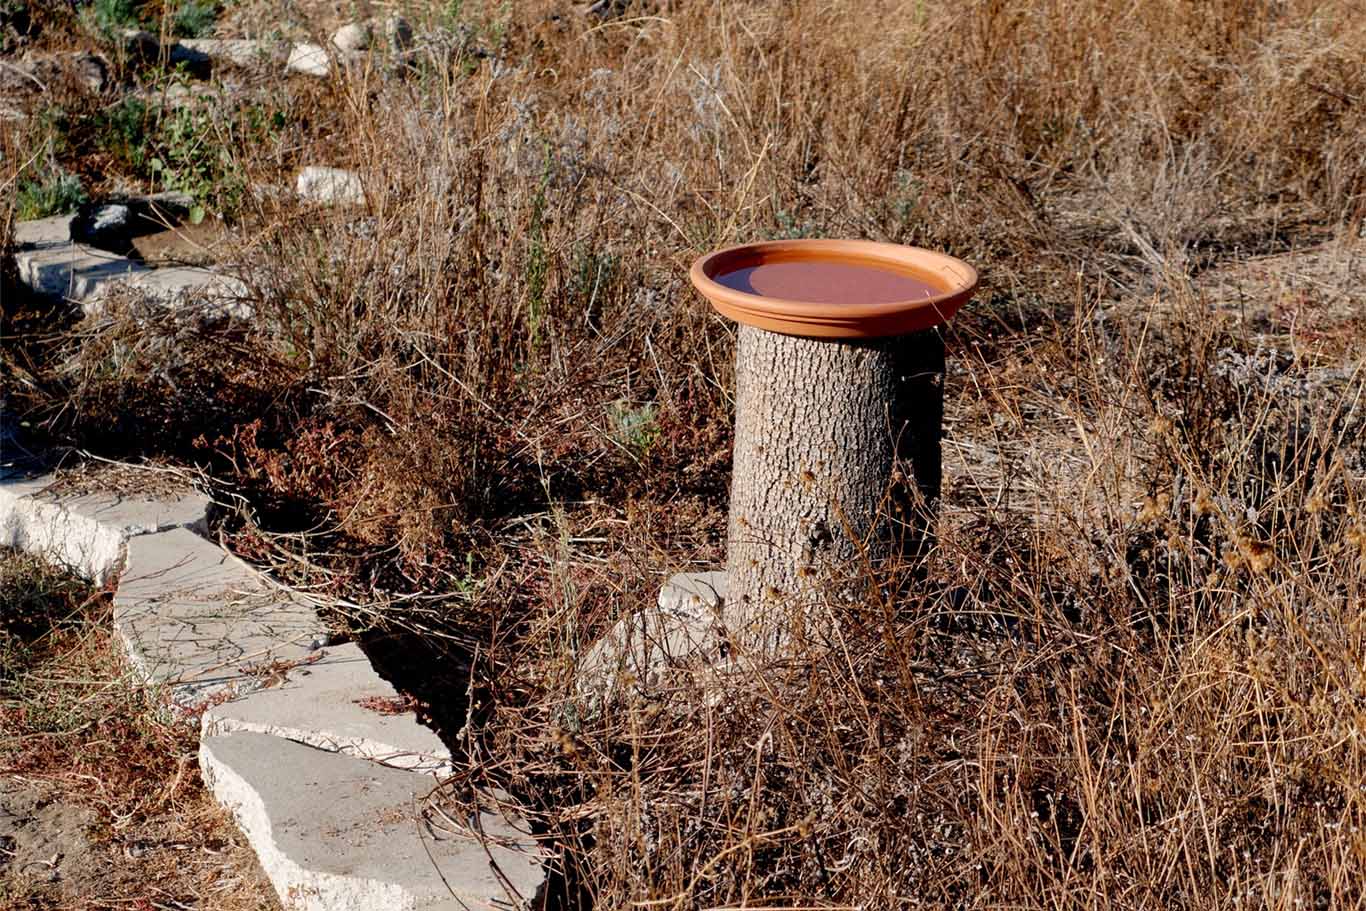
x: 195, y: 18
x: 634, y: 426
x: 105, y: 17
x: 192, y: 158
x: 122, y: 133
x: 58, y: 194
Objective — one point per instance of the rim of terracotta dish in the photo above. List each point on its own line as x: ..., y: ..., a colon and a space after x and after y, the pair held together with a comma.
x: 837, y: 320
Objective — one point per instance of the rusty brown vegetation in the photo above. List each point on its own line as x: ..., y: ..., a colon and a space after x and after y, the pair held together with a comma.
x: 487, y: 410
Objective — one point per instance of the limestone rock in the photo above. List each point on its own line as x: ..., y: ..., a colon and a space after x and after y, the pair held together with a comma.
x: 44, y: 232
x: 310, y: 60
x: 42, y: 70
x: 241, y: 52
x: 398, y: 33
x: 333, y: 832
x: 641, y: 649
x: 86, y: 532
x: 177, y: 288
x: 53, y: 266
x: 337, y: 703
x: 354, y: 36
x: 330, y: 186
x: 201, y: 622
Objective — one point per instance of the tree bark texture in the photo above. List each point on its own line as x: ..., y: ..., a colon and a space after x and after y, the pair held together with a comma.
x: 837, y: 459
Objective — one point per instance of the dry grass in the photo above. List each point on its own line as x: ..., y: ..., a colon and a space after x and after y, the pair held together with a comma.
x: 1127, y: 681
x: 488, y: 406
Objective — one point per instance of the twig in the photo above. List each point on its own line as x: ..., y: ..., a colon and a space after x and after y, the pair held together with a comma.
x: 42, y: 86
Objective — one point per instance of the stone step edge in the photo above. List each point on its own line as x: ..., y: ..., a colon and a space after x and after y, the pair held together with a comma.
x: 55, y: 266
x: 88, y: 533
x: 403, y: 870
x: 32, y: 518
x: 365, y: 748
x: 340, y: 704
x: 302, y: 888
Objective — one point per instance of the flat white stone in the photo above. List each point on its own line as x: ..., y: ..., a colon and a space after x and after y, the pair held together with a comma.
x: 309, y: 59
x: 83, y: 545
x: 334, y: 833
x: 86, y: 533
x: 139, y: 42
x: 695, y: 595
x: 202, y: 622
x: 178, y: 287
x: 330, y: 186
x: 337, y: 703
x: 110, y: 218
x: 168, y: 203
x: 69, y: 270
x: 354, y: 36
x: 44, y: 232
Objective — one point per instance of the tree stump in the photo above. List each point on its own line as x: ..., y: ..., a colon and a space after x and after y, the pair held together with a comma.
x: 837, y: 463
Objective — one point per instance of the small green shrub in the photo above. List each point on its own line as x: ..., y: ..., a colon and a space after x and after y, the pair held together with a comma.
x: 634, y: 426
x: 195, y: 18
x: 192, y: 155
x: 59, y: 194
x: 106, y: 17
x: 122, y: 133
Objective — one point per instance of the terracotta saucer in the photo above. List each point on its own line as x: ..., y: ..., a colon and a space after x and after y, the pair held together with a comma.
x: 834, y: 288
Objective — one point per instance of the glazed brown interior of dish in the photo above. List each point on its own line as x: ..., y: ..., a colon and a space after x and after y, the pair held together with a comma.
x: 819, y: 280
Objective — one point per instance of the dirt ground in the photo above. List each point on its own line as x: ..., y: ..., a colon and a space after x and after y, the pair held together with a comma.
x: 56, y: 851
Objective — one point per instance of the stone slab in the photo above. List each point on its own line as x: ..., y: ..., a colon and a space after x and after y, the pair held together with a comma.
x: 337, y: 703
x: 44, y: 232
x: 639, y: 652
x: 693, y: 595
x: 334, y: 833
x: 176, y: 288
x: 86, y: 533
x: 309, y: 59
x: 243, y: 52
x: 54, y: 266
x: 202, y: 622
x: 330, y: 186
x: 68, y: 270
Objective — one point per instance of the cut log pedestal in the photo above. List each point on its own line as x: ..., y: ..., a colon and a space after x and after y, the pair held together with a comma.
x: 836, y: 468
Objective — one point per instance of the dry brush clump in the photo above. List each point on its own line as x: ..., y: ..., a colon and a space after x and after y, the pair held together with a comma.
x: 1133, y: 682
x: 512, y: 288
